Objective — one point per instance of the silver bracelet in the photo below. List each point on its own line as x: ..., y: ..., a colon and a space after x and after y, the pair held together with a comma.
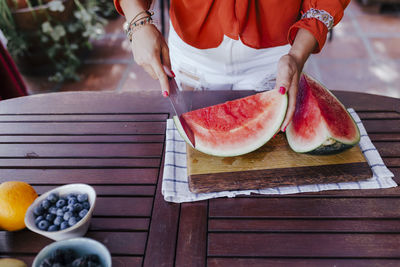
x: 320, y: 15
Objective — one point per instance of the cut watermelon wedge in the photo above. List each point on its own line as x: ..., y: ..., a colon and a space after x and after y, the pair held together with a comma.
x: 235, y: 127
x: 320, y: 124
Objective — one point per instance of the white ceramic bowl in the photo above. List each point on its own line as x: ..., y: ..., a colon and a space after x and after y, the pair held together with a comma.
x: 80, y: 228
x: 81, y: 246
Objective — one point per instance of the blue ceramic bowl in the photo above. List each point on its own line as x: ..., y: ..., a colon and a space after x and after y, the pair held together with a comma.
x: 81, y: 246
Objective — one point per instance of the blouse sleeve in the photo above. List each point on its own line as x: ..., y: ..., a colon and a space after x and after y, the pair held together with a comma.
x: 118, y: 7
x: 318, y: 17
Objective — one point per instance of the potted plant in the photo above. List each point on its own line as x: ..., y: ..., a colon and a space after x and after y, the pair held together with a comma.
x: 50, y: 36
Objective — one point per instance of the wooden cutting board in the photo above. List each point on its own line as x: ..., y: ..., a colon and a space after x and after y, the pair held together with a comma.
x: 274, y: 164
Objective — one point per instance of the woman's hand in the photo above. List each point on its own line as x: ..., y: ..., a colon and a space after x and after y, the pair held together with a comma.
x: 148, y: 45
x: 151, y: 52
x: 287, y: 80
x: 290, y: 67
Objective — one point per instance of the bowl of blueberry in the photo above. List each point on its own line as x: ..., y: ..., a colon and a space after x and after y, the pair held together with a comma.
x: 63, y: 212
x: 80, y: 251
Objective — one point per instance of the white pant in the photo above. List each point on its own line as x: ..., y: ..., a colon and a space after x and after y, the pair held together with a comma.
x: 230, y: 66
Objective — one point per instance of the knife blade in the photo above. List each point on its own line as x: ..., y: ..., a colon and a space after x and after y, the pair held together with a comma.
x: 181, y: 103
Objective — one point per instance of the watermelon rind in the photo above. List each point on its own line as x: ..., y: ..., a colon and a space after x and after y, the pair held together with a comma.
x: 271, y: 131
x: 181, y: 131
x: 326, y: 144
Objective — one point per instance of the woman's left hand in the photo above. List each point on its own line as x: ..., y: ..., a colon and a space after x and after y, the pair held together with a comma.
x: 290, y: 67
x: 287, y: 81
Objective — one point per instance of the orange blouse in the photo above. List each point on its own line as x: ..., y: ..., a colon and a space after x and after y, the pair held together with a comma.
x: 258, y: 24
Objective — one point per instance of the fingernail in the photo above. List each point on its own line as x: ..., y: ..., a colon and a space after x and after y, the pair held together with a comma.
x: 173, y: 73
x: 284, y: 129
x: 165, y: 93
x: 282, y: 90
x: 274, y: 135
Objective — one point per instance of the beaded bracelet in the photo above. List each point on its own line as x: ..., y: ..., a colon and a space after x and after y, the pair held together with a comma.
x: 137, y: 25
x: 136, y: 22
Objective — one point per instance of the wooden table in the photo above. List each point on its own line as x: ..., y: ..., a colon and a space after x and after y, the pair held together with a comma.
x: 115, y: 142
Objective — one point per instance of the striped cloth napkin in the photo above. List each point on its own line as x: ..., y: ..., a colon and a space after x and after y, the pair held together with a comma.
x: 175, y: 186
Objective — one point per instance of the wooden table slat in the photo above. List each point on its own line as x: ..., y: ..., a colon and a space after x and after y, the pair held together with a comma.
x: 302, y: 225
x: 83, y: 128
x: 299, y: 262
x: 305, y: 207
x: 379, y: 115
x: 107, y: 190
x: 90, y: 176
x: 80, y: 162
x: 125, y: 243
x: 117, y: 261
x: 119, y: 224
x: 192, y: 235
x: 77, y: 118
x: 126, y: 206
x: 382, y: 126
x: 305, y: 245
x: 161, y: 242
x: 48, y: 139
x: 81, y: 150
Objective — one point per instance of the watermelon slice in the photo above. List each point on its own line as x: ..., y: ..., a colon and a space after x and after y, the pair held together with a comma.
x: 320, y: 124
x: 235, y: 127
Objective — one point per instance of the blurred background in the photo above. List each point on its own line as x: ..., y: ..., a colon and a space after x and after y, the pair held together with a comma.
x: 79, y: 45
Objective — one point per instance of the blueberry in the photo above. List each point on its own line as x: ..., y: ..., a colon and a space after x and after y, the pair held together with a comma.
x: 52, y: 198
x: 50, y: 217
x: 72, y: 195
x: 58, y: 220
x: 78, y: 262
x: 65, y: 209
x: 83, y: 213
x: 72, y: 200
x: 67, y: 215
x: 60, y: 212
x: 86, y: 205
x: 70, y: 208
x: 69, y: 256
x: 38, y: 219
x: 43, y: 225
x: 61, y: 203
x: 64, y: 225
x: 47, y: 262
x: 53, y: 210
x: 53, y: 228
x: 38, y: 210
x: 72, y: 221
x: 82, y: 197
x: 77, y: 207
x: 94, y: 258
x: 46, y: 204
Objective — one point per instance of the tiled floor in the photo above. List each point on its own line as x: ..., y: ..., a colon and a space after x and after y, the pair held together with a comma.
x: 363, y: 56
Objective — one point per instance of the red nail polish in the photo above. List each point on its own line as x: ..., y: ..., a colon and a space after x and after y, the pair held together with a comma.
x: 274, y: 135
x: 284, y: 129
x: 173, y: 73
x: 282, y: 90
x: 165, y: 94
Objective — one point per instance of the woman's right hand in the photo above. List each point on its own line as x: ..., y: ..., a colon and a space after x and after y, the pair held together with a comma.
x: 151, y: 52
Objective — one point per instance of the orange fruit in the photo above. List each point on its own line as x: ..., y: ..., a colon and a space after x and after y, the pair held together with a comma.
x: 9, y: 262
x: 15, y: 198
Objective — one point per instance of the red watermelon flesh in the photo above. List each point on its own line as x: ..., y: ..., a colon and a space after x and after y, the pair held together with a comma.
x: 320, y: 124
x: 236, y: 127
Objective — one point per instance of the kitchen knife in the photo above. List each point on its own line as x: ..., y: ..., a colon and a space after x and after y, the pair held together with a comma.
x: 181, y: 103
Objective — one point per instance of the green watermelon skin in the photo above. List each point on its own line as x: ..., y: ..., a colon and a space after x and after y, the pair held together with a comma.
x: 321, y: 124
x: 236, y: 127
